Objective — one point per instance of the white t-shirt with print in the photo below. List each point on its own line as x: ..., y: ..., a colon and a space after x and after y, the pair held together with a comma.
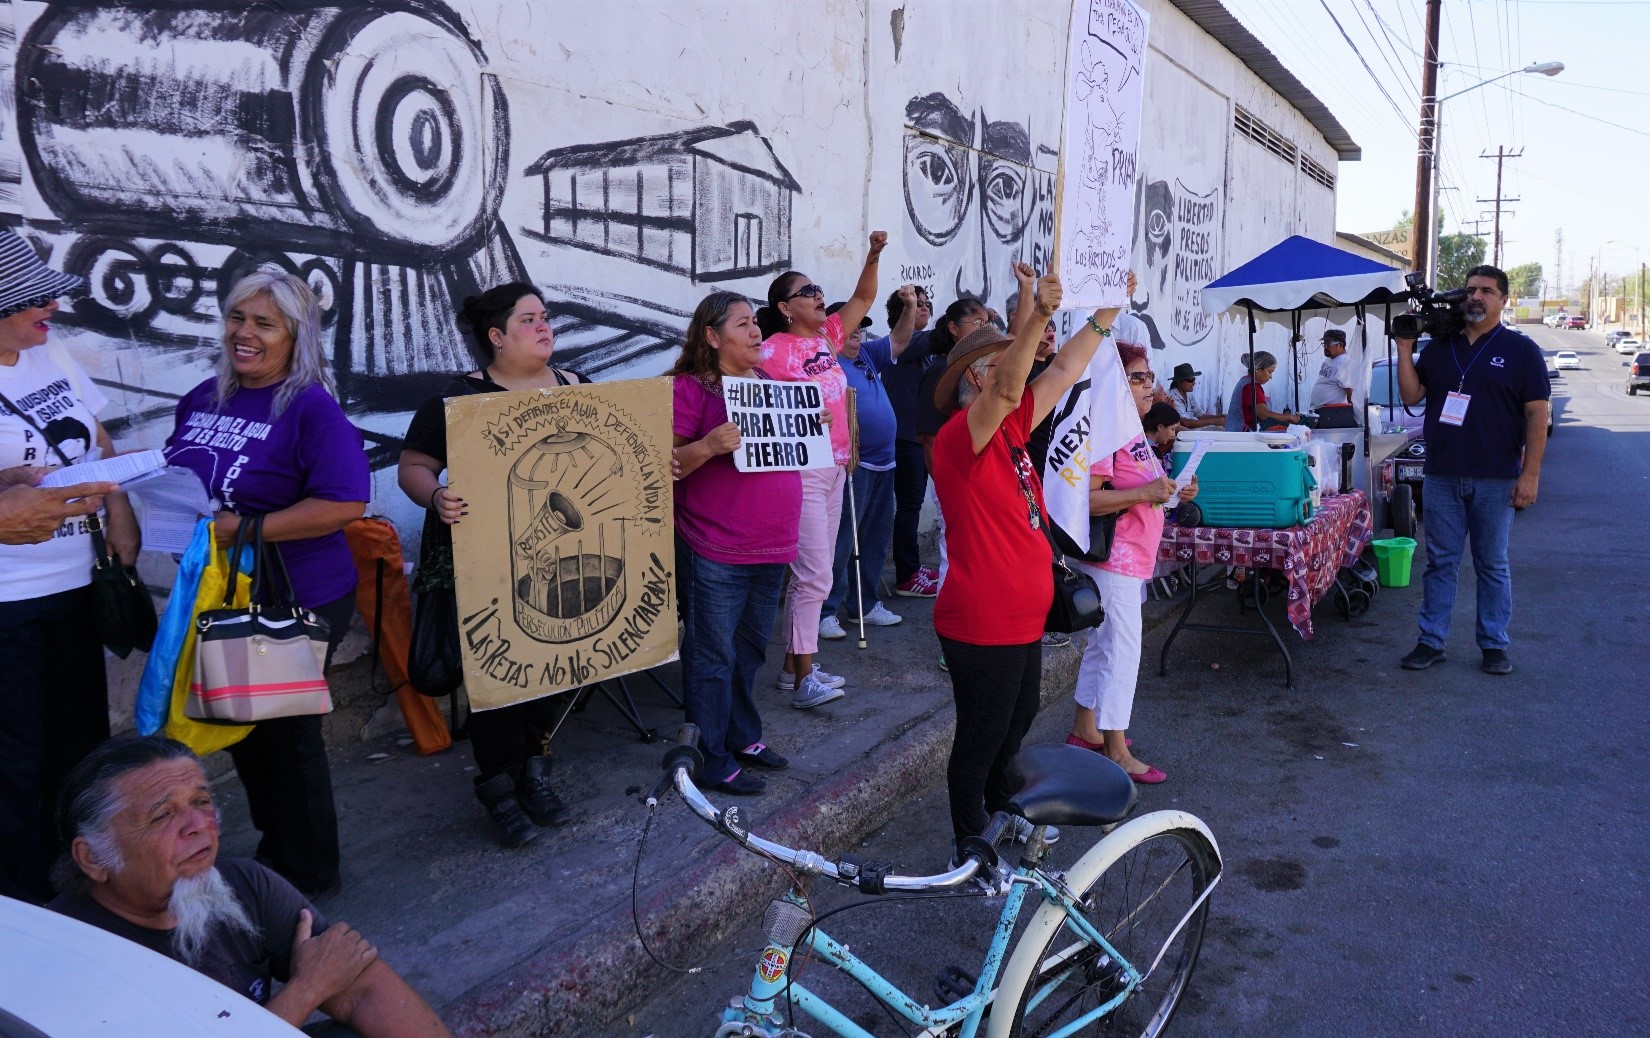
x: 1334, y: 379
x: 38, y: 386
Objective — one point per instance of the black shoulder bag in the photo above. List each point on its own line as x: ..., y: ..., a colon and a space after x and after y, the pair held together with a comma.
x: 123, y: 613
x: 1076, y: 603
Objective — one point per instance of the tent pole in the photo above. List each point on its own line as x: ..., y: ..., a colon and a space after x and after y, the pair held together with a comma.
x: 1249, y: 307
x: 1295, y: 355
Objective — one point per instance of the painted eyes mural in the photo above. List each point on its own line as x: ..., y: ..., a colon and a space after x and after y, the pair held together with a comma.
x: 973, y: 192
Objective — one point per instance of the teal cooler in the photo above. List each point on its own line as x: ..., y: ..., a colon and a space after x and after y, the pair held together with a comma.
x: 1250, y: 484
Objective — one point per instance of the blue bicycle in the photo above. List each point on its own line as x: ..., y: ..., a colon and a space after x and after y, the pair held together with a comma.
x: 1109, y: 950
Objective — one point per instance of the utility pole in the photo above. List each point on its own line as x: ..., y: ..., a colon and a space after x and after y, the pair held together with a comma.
x: 1641, y: 302
x: 1558, y: 265
x: 1501, y: 156
x: 1423, y: 230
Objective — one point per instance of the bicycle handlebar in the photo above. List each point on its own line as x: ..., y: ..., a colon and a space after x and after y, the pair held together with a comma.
x: 682, y: 763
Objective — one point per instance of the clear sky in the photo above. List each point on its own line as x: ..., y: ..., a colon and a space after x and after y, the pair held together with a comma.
x: 1578, y: 172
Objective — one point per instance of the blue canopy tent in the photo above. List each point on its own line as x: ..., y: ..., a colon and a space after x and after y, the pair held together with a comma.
x: 1302, y: 274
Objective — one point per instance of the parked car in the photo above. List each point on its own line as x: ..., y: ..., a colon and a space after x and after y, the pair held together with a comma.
x: 1553, y: 320
x: 1566, y: 360
x: 1613, y: 337
x: 1575, y: 322
x: 1628, y: 346
x: 1638, y: 373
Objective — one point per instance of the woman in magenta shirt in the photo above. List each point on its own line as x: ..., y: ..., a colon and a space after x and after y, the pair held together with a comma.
x: 1131, y: 481
x: 735, y: 534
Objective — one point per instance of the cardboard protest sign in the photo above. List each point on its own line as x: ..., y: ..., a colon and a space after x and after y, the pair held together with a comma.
x: 779, y: 425
x: 565, y: 565
x: 1105, y: 57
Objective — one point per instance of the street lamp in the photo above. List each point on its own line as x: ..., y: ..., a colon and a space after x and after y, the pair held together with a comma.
x: 1540, y: 68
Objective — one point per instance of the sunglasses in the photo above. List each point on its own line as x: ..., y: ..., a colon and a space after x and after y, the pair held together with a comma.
x: 809, y: 291
x: 1141, y: 378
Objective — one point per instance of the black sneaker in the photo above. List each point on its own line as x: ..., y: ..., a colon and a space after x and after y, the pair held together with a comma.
x: 1496, y: 662
x: 511, y: 827
x: 761, y: 755
x: 742, y: 784
x: 1421, y: 657
x: 538, y: 801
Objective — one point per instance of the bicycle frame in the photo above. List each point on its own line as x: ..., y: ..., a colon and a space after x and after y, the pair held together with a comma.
x: 768, y: 986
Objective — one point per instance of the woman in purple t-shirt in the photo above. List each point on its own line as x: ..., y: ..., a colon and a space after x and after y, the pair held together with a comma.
x: 267, y: 437
x: 735, y: 534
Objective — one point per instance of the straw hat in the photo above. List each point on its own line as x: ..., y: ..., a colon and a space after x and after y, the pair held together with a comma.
x: 981, y: 342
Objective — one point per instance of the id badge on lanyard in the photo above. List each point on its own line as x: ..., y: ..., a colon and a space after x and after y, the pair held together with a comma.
x: 1455, y: 409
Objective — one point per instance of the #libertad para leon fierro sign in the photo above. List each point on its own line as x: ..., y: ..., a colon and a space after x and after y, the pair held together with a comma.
x: 565, y: 565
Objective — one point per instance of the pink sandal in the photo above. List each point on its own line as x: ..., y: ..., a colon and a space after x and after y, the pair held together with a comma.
x: 1078, y: 740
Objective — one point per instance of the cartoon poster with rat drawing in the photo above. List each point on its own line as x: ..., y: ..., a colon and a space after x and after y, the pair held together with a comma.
x: 565, y: 562
x: 1104, y: 60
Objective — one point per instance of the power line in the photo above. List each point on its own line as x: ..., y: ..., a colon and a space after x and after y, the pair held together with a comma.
x: 1359, y: 54
x: 1587, y: 115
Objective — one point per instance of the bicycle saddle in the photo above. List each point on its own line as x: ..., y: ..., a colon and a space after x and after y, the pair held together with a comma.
x: 1068, y: 785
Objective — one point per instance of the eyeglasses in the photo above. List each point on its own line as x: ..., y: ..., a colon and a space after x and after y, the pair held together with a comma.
x: 810, y: 291
x: 1141, y: 378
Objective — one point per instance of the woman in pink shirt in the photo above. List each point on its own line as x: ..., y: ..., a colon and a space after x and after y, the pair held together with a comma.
x: 735, y: 533
x: 800, y: 344
x: 1132, y: 481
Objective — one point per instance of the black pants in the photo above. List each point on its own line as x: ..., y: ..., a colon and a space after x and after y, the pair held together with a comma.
x: 996, y: 689
x: 54, y: 709
x: 283, y: 767
x: 910, y: 485
x: 503, y: 739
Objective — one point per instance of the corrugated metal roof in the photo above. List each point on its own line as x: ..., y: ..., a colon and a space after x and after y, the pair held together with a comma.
x: 1212, y: 17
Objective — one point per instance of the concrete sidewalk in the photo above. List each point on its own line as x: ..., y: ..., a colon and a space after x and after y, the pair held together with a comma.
x: 540, y: 941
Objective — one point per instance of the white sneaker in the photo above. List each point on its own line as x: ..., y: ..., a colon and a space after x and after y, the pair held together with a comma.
x: 879, y: 616
x: 787, y: 682
x: 815, y: 692
x: 1019, y: 830
x: 830, y: 628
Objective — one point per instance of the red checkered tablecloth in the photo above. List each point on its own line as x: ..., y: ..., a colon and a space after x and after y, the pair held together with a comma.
x: 1309, y: 555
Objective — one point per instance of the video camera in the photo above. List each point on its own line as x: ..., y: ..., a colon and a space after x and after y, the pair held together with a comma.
x: 1439, y: 314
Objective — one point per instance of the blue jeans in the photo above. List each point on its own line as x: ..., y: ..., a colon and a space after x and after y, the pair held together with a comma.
x: 1458, y: 508
x: 729, y: 612
x: 874, y: 505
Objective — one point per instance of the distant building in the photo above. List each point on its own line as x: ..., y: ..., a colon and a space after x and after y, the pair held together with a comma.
x: 713, y: 203
x: 1393, y: 252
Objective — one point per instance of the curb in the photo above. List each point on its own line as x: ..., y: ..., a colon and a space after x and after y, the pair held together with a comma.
x: 590, y: 979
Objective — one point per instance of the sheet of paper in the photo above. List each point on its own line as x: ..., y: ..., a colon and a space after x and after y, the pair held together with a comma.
x: 123, y: 469
x: 779, y: 425
x: 168, y: 504
x: 1184, y: 480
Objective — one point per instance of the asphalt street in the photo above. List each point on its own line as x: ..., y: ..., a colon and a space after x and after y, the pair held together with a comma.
x: 1435, y: 853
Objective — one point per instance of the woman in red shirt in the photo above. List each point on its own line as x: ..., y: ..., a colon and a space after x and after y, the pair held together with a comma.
x: 993, y: 604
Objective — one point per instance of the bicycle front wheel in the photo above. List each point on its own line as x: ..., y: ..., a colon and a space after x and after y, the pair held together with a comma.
x: 1145, y: 894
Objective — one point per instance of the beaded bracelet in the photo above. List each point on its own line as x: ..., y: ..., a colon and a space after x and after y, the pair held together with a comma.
x: 1104, y: 333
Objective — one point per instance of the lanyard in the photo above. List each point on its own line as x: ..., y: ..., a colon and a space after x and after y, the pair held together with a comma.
x: 1481, y: 346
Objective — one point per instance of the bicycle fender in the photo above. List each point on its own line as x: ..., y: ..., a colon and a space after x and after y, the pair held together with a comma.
x: 1022, y: 964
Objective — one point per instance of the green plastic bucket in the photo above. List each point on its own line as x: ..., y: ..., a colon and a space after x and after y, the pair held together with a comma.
x: 1393, y: 556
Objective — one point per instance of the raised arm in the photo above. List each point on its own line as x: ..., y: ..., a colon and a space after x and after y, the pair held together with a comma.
x: 1006, y: 384
x: 1026, y: 278
x: 1410, y: 389
x: 899, y: 336
x: 1070, y: 362
x: 865, y: 293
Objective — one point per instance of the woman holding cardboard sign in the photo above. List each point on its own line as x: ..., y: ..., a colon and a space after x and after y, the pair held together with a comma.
x: 801, y: 342
x: 513, y: 342
x: 735, y: 534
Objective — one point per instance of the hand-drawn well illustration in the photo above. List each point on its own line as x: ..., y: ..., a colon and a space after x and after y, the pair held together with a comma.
x: 565, y: 562
x: 569, y: 577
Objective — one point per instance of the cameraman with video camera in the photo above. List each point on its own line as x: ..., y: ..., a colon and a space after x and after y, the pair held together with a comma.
x: 1486, y: 394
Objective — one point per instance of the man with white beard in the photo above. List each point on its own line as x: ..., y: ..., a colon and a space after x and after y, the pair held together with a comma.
x: 140, y: 861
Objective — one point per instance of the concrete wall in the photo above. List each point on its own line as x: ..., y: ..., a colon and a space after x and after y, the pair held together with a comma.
x: 628, y: 157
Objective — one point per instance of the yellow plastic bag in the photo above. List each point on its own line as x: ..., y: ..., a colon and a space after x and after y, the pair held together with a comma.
x: 201, y: 736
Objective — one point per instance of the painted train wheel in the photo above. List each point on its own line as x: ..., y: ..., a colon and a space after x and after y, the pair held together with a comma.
x: 322, y: 279
x: 174, y: 279
x: 118, y: 292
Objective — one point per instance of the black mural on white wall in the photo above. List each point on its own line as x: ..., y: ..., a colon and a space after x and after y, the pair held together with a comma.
x: 361, y: 145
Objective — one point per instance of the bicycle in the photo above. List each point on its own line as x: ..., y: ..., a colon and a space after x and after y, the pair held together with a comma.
x: 1082, y: 965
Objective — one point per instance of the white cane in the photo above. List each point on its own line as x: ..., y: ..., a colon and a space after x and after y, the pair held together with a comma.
x: 853, y: 513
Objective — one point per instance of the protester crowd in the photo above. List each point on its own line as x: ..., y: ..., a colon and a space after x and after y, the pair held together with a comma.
x: 125, y: 829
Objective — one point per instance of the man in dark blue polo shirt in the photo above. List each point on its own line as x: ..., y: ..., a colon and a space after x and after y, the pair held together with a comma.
x: 1487, y: 406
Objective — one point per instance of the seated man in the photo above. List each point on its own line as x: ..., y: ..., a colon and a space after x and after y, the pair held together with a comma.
x: 141, y: 861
